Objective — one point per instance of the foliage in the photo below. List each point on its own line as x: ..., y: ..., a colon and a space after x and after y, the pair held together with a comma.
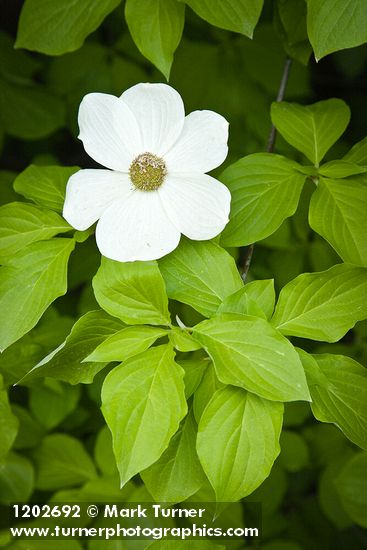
x: 179, y: 379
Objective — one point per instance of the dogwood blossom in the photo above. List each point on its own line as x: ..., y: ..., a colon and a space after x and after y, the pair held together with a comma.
x: 155, y: 187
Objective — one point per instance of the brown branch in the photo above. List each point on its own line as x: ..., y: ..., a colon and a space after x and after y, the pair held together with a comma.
x: 269, y: 149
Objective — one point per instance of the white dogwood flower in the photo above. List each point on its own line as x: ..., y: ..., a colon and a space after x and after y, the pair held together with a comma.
x: 156, y: 187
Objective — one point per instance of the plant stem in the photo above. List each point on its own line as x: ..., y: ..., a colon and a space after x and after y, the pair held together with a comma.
x: 269, y: 149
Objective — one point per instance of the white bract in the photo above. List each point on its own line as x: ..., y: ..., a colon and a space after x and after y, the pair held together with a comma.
x: 156, y: 187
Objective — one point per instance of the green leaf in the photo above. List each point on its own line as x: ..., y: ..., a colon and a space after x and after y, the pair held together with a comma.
x: 143, y: 402
x: 248, y: 352
x: 358, y: 153
x: 178, y: 473
x: 265, y: 190
x: 62, y: 461
x: 53, y: 401
x: 239, y: 302
x: 341, y: 169
x: 125, y: 343
x: 335, y: 25
x: 66, y: 362
x: 209, y: 384
x: 9, y: 423
x: 194, y: 368
x: 351, y: 485
x: 294, y: 454
x: 55, y: 28
x: 200, y: 274
x: 238, y: 441
x: 240, y: 16
x: 158, y: 35
x: 30, y: 111
x: 30, y: 432
x: 45, y: 185
x: 339, y: 394
x: 263, y: 293
x: 182, y: 340
x: 16, y: 479
x: 338, y: 213
x: 133, y: 291
x: 29, y: 283
x: 103, y: 453
x: 311, y: 129
x: 22, y: 224
x: 184, y: 545
x: 290, y: 20
x: 324, y: 305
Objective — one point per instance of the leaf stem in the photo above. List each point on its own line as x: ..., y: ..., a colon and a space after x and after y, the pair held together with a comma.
x: 269, y: 149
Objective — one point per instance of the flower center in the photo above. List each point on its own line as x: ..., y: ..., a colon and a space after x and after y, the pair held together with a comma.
x: 147, y: 172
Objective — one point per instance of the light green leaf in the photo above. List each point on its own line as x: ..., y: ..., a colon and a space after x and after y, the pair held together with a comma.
x: 125, y: 343
x: 339, y: 395
x: 240, y: 16
x: 335, y: 25
x: 9, y: 423
x: 311, y: 129
x: 45, y: 185
x: 133, y: 291
x: 248, y: 352
x: 16, y: 479
x: 209, y: 384
x: 338, y: 213
x: 358, y: 153
x: 265, y: 190
x: 158, y: 35
x: 52, y: 401
x: 58, y: 27
x: 182, y: 340
x: 238, y: 441
x: 29, y: 283
x: 22, y: 224
x: 351, y: 485
x: 341, y: 169
x: 324, y: 305
x: 263, y: 293
x: 178, y: 473
x: 62, y: 461
x: 240, y: 302
x: 200, y: 274
x: 66, y: 362
x: 194, y: 368
x: 143, y: 402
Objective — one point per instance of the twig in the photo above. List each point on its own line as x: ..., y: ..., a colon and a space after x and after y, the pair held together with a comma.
x: 269, y: 149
